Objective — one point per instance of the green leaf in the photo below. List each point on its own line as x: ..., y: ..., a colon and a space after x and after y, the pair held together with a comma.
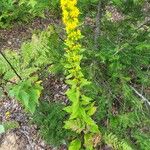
x: 85, y: 100
x: 68, y: 109
x: 73, y: 83
x: 14, y: 92
x: 24, y: 98
x: 76, y: 125
x: 73, y: 94
x: 91, y: 111
x: 75, y: 145
x: 88, y: 138
x: 32, y: 3
x: 2, y: 129
x: 9, y: 125
x: 27, y: 93
x: 69, y: 76
x: 117, y: 2
x: 32, y: 106
x: 89, y: 121
x: 67, y: 66
x: 84, y: 82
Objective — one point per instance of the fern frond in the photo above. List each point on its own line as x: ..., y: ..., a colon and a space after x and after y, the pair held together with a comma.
x: 112, y: 140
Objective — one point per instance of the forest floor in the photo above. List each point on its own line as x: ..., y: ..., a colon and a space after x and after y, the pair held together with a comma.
x: 26, y: 137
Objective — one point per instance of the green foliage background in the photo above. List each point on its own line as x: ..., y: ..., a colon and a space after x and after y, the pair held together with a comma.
x: 121, y: 62
x: 23, y: 11
x: 49, y: 118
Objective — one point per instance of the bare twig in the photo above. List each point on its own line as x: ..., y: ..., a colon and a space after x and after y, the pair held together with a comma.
x: 97, y: 30
x: 10, y: 65
x: 141, y: 96
x: 146, y: 22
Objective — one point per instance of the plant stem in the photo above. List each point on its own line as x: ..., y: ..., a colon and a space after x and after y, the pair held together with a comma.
x: 100, y: 11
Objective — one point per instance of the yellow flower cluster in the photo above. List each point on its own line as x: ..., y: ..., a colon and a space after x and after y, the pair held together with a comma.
x: 70, y: 19
x: 70, y: 14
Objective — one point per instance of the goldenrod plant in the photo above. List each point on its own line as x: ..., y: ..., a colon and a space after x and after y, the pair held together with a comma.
x: 82, y: 107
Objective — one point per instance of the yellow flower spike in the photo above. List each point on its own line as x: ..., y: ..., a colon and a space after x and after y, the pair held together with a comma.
x: 75, y: 13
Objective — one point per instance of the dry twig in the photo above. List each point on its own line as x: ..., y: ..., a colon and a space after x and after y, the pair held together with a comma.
x: 141, y: 96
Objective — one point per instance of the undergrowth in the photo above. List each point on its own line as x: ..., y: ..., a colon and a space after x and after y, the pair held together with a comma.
x: 118, y: 71
x: 49, y: 117
x: 22, y: 11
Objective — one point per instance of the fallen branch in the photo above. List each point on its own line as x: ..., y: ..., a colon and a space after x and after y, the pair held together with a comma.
x: 141, y: 96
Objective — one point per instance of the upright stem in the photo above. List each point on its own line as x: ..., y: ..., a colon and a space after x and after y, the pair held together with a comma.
x: 100, y: 11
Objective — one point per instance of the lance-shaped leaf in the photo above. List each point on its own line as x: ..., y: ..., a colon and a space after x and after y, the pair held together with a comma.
x: 75, y: 145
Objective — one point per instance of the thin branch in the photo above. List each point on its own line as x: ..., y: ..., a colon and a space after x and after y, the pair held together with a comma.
x: 146, y: 22
x: 141, y: 96
x: 97, y: 30
x: 10, y: 81
x: 10, y: 65
x: 100, y: 10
